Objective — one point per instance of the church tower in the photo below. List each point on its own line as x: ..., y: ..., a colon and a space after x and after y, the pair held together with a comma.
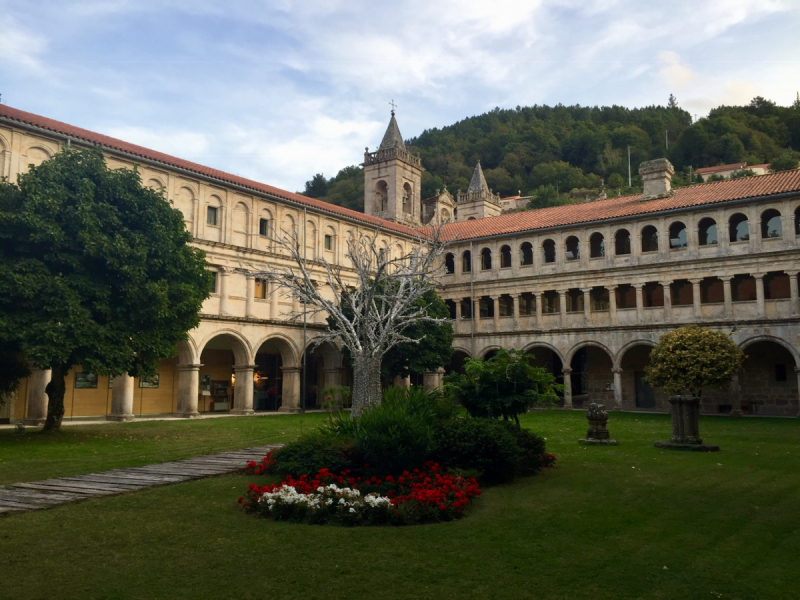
x: 478, y: 202
x: 392, y: 180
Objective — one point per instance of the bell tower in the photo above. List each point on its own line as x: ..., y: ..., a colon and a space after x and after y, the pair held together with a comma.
x: 392, y: 180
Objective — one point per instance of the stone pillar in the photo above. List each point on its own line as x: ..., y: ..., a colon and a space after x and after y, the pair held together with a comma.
x: 458, y: 310
x: 797, y: 372
x: 223, y: 291
x: 290, y: 401
x: 728, y: 295
x: 567, y: 372
x: 698, y: 314
x: 736, y: 397
x: 121, y: 399
x: 249, y: 309
x: 401, y: 382
x: 432, y: 380
x: 612, y: 304
x: 243, y: 390
x: 188, y: 390
x: 496, y: 313
x: 538, y: 300
x: 332, y: 377
x: 515, y: 308
x: 666, y: 286
x: 639, y: 301
x: 37, y: 398
x: 587, y: 301
x: 793, y: 291
x: 274, y: 296
x: 760, y: 294
x: 617, y: 387
x: 562, y: 306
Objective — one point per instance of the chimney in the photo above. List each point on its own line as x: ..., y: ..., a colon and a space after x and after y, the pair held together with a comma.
x: 657, y: 176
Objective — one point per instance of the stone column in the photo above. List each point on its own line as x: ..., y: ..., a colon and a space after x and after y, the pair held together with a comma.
x: 223, y: 291
x: 612, y: 304
x: 793, y: 290
x: 37, y: 398
x: 274, y: 296
x: 797, y: 372
x: 728, y: 296
x: 515, y: 308
x: 639, y: 301
x: 760, y: 294
x: 458, y: 310
x: 243, y: 390
x: 666, y: 286
x: 188, y: 390
x: 496, y: 313
x: 617, y: 387
x: 736, y: 397
x: 290, y: 400
x: 538, y: 301
x: 562, y: 306
x: 698, y: 314
x: 249, y: 309
x: 587, y: 301
x: 332, y: 377
x: 121, y: 399
x: 567, y: 372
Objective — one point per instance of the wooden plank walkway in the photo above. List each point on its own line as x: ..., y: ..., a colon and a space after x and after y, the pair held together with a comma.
x: 36, y: 495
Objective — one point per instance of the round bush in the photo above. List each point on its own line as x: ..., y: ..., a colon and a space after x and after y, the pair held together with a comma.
x: 485, y: 445
x: 314, y: 452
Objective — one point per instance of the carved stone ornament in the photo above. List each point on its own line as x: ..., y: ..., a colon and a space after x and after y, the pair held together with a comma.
x: 598, y: 434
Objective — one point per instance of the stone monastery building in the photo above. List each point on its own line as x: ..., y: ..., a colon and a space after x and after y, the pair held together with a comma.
x: 586, y: 288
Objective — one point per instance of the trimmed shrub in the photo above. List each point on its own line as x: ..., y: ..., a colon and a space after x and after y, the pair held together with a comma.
x: 532, y: 456
x: 485, y: 445
x: 314, y: 452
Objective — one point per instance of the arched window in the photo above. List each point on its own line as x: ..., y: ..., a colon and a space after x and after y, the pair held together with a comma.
x: 406, y: 198
x: 526, y: 253
x: 649, y: 239
x: 573, y: 248
x: 505, y: 257
x: 466, y: 262
x: 677, y: 236
x: 622, y: 242
x: 597, y: 245
x: 486, y: 259
x: 549, y: 251
x: 450, y: 263
x: 771, y: 226
x: 707, y: 231
x: 738, y: 228
x: 382, y: 196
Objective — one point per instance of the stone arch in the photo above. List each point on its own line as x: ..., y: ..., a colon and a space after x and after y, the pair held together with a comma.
x: 288, y: 350
x: 456, y: 364
x: 277, y: 374
x: 489, y: 349
x: 589, y: 344
x: 240, y: 347
x: 769, y: 338
x: 36, y: 155
x: 240, y: 224
x: 156, y: 184
x: 187, y: 352
x: 628, y: 346
x: 381, y: 196
x: 546, y: 346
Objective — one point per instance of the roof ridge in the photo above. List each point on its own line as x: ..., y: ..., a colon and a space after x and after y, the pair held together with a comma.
x: 32, y: 119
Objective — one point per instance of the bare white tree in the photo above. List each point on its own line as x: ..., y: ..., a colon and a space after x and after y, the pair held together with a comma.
x: 371, y: 304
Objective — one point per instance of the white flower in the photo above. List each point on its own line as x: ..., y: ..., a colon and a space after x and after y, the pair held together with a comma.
x: 352, y: 510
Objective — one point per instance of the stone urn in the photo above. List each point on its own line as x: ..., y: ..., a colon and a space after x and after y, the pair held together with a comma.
x: 685, y: 426
x: 598, y: 433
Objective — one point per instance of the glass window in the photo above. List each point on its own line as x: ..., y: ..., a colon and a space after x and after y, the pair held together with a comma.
x: 328, y: 242
x: 211, y: 215
x: 261, y: 289
x: 85, y: 380
x: 263, y: 227
x: 149, y: 382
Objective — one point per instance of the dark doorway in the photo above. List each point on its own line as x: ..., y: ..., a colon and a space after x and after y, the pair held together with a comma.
x: 645, y: 394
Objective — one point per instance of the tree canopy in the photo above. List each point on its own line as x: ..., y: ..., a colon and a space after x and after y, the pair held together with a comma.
x: 96, y: 270
x: 570, y: 147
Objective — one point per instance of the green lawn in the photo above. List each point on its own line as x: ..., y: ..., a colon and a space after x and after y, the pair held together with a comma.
x: 603, y: 524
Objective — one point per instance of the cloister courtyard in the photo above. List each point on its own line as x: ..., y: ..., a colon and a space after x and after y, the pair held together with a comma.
x: 632, y: 521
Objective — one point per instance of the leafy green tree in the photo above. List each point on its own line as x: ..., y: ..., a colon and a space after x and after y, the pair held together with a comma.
x: 317, y: 187
x: 545, y: 196
x: 433, y: 351
x: 784, y: 162
x: 96, y: 270
x: 506, y: 385
x: 691, y: 358
x: 13, y: 368
x: 740, y: 173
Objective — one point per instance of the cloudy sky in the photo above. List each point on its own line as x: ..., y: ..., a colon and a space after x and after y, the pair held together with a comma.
x: 278, y: 91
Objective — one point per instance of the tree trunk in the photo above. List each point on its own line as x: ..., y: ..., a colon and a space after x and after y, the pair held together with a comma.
x: 366, y: 383
x: 55, y: 398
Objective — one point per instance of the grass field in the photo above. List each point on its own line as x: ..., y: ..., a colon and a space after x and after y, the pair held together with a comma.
x: 609, y: 522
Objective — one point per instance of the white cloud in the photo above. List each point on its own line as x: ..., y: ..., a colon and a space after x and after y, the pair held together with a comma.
x: 20, y: 50
x: 673, y: 72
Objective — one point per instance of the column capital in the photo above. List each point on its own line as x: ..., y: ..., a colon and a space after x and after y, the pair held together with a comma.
x: 249, y: 276
x: 758, y: 275
x: 566, y: 370
x: 586, y: 290
x: 291, y: 369
x: 665, y: 283
x: 189, y: 367
x: 562, y: 291
x: 243, y: 367
x: 616, y: 370
x: 695, y: 280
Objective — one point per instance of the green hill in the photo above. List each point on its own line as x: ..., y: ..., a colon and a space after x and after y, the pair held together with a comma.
x: 545, y: 151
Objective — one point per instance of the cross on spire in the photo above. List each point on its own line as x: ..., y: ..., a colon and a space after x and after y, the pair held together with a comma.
x: 393, y: 105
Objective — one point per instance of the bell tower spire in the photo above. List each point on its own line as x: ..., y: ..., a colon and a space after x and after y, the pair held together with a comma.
x: 392, y: 179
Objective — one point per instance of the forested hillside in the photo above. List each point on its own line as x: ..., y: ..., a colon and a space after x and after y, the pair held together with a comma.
x: 546, y: 151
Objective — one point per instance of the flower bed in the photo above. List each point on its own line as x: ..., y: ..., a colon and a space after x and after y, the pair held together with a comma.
x: 419, y: 496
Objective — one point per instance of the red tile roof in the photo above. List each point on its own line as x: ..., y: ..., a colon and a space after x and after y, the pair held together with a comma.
x: 20, y: 116
x: 718, y: 168
x: 627, y: 206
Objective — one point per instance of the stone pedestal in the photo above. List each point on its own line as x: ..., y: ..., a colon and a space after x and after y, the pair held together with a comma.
x: 685, y: 426
x: 597, y: 435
